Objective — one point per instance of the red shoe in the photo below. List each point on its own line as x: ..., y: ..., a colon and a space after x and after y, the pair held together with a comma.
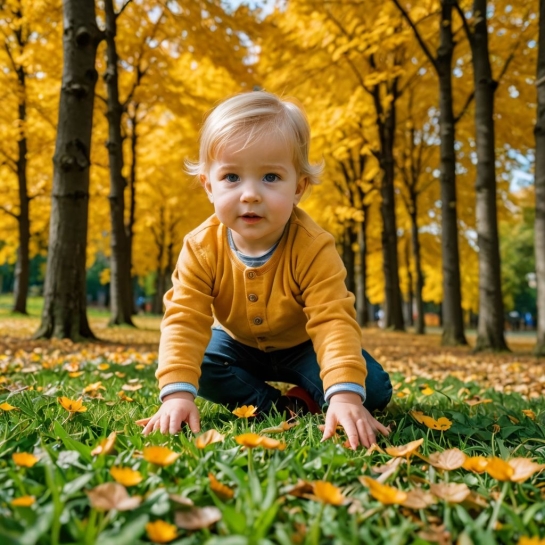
x: 303, y: 401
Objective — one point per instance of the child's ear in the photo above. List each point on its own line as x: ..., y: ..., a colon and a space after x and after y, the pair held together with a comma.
x: 206, y: 186
x: 302, y: 186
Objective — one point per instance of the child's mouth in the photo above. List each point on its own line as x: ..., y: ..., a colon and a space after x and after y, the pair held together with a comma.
x: 250, y: 218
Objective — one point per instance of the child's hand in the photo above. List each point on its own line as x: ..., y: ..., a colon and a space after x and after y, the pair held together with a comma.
x: 345, y: 408
x: 176, y: 408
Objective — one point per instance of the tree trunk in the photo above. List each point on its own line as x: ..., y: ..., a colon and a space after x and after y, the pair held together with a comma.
x: 121, y: 302
x: 415, y: 238
x: 349, y: 258
x: 453, y: 319
x: 539, y: 231
x: 132, y: 191
x: 361, y: 276
x: 490, y: 334
x: 410, y: 294
x: 22, y: 268
x: 393, y: 312
x: 65, y: 302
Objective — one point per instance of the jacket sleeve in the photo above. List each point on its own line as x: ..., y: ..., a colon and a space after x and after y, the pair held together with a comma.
x: 187, y: 322
x: 331, y: 315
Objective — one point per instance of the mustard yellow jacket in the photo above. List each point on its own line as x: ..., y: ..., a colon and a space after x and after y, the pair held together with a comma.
x: 298, y: 294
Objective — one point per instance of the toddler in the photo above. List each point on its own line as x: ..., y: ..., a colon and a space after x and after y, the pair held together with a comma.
x: 258, y: 292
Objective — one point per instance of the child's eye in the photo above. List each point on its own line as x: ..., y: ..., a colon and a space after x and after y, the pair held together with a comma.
x: 270, y: 177
x: 231, y: 177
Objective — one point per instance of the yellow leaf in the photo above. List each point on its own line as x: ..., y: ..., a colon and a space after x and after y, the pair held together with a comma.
x: 160, y: 531
x: 112, y: 496
x: 24, y: 459
x: 282, y: 427
x: 208, y: 437
x: 476, y: 400
x: 161, y: 456
x: 246, y: 411
x: 23, y: 501
x: 388, y: 495
x: 477, y: 464
x: 7, y: 407
x: 499, y: 469
x: 404, y: 450
x: 427, y: 391
x: 72, y: 406
x: 529, y: 413
x: 252, y: 440
x: 448, y: 459
x: 524, y: 540
x: 450, y: 492
x: 326, y: 492
x: 93, y: 387
x: 103, y: 366
x: 221, y: 490
x: 126, y: 476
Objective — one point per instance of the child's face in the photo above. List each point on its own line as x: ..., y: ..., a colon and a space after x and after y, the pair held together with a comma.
x: 254, y: 190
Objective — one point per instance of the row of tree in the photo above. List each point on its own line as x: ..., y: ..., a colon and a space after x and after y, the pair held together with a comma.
x: 405, y: 100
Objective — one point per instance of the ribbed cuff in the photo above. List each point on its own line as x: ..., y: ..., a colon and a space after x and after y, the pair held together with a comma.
x: 345, y: 387
x: 177, y: 387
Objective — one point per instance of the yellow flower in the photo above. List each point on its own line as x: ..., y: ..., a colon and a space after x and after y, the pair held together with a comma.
x: 388, y: 495
x: 23, y: 501
x: 161, y: 531
x: 221, y: 490
x: 123, y: 396
x: 75, y: 374
x: 24, y: 459
x: 527, y: 412
x: 7, y: 407
x: 246, y: 411
x: 524, y: 540
x: 72, y: 406
x: 161, y: 456
x: 103, y: 366
x: 327, y: 493
x: 252, y: 440
x: 427, y: 391
x: 94, y: 387
x: 126, y: 476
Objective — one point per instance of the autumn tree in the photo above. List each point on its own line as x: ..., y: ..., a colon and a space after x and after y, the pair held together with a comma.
x: 64, y: 314
x: 539, y: 227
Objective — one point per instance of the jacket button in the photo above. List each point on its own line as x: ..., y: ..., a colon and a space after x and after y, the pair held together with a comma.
x: 252, y: 297
x: 251, y: 275
x: 258, y: 320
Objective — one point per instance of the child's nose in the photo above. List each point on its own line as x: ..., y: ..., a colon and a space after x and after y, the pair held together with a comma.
x: 250, y: 193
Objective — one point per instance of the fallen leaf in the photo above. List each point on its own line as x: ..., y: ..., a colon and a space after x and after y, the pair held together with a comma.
x: 24, y: 459
x: 405, y: 450
x: 197, y: 518
x: 7, y: 407
x: 160, y: 531
x: 418, y: 499
x: 448, y: 459
x: 126, y: 476
x: 450, y: 492
x: 499, y: 469
x: 106, y: 446
x: 161, y: 456
x: 523, y: 469
x: 326, y: 492
x: 387, y: 495
x: 208, y: 437
x: 112, y: 496
x: 23, y: 501
x: 221, y: 490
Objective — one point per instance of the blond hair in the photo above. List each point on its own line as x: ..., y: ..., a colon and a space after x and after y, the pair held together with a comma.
x: 253, y: 115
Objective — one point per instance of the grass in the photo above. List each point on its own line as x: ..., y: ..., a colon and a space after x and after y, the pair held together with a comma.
x: 277, y: 497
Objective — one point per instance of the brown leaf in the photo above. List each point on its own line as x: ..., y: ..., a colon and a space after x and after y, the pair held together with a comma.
x: 112, y: 496
x: 450, y: 492
x: 448, y: 459
x: 197, y: 518
x: 418, y: 499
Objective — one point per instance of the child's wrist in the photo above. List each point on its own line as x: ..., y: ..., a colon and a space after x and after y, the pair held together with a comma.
x: 345, y: 397
x: 179, y: 395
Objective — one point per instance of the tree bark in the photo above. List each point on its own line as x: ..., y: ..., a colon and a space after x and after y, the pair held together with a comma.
x: 22, y: 267
x: 362, y: 314
x: 453, y: 318
x: 539, y: 230
x: 393, y: 312
x: 452, y: 314
x: 132, y: 189
x: 121, y: 302
x: 420, y: 328
x: 349, y: 258
x: 65, y: 300
x: 410, y: 294
x: 490, y: 335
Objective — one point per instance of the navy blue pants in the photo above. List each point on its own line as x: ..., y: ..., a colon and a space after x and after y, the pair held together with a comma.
x: 234, y: 374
